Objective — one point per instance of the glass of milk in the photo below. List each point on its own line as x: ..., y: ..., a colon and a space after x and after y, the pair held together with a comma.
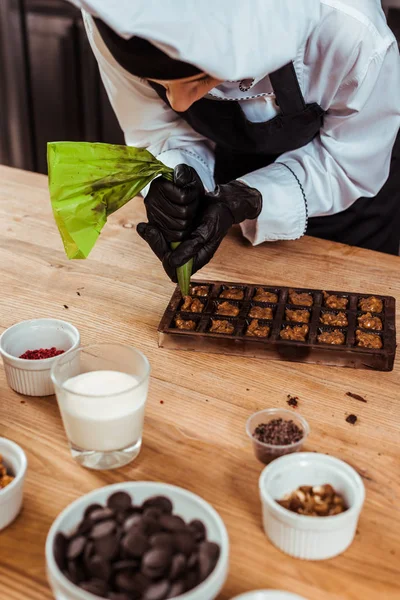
x: 101, y: 392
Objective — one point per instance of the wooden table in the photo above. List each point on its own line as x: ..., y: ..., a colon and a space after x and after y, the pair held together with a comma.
x: 194, y: 432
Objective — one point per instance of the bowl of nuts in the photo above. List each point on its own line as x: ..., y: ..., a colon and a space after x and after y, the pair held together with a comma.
x: 144, y: 540
x: 13, y: 466
x: 311, y: 504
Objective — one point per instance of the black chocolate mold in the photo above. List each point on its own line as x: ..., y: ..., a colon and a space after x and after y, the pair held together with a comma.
x: 273, y: 347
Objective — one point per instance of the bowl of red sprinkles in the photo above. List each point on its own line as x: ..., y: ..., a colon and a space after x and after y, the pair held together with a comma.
x: 28, y: 350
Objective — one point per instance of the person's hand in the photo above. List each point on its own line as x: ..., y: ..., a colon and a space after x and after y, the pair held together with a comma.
x: 172, y: 207
x: 230, y: 204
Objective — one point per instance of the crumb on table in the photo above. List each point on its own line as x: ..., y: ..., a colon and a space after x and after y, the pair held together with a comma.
x: 256, y: 330
x: 263, y: 295
x: 260, y: 312
x: 368, y: 340
x: 367, y: 321
x: 232, y: 293
x: 335, y: 337
x: 333, y: 301
x: 184, y: 324
x: 221, y: 326
x: 227, y: 309
x: 193, y: 305
x: 338, y: 319
x: 298, y: 316
x: 300, y: 298
x: 371, y: 304
x: 296, y: 334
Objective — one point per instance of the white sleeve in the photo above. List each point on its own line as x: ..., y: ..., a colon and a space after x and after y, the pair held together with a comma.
x: 349, y: 159
x: 146, y: 121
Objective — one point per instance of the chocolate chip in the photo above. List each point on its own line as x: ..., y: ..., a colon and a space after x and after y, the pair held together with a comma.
x: 178, y: 566
x: 157, y: 591
x: 91, y: 508
x: 59, y: 549
x: 163, y: 539
x: 198, y: 529
x: 103, y: 514
x: 156, y: 562
x: 75, y: 547
x: 102, y: 529
x: 95, y: 586
x: 161, y: 502
x: 119, y: 501
x: 172, y: 523
x: 177, y: 588
x: 99, y: 568
x: 107, y: 547
x: 184, y: 542
x: 351, y: 419
x: 135, y: 543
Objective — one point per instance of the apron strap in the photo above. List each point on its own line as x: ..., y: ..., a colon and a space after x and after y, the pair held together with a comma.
x: 287, y: 90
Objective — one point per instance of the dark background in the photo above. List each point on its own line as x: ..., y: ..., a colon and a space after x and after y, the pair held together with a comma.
x: 50, y: 88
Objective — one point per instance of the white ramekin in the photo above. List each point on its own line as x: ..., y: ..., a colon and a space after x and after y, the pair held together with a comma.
x: 32, y: 377
x: 310, y: 538
x: 186, y: 504
x: 11, y: 496
x: 268, y: 595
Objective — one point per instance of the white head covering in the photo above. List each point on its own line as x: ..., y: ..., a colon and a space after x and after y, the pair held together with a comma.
x: 228, y: 39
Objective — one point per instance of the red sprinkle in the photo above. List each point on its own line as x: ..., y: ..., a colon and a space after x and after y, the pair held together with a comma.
x: 41, y: 353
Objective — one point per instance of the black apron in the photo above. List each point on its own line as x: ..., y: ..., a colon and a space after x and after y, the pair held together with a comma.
x: 243, y: 146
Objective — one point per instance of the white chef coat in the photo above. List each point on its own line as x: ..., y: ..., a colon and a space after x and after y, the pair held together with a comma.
x: 349, y: 65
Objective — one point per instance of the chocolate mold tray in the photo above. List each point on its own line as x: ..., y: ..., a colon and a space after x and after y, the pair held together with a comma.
x: 348, y: 354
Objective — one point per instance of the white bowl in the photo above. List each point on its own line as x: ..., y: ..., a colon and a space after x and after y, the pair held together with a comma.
x: 186, y: 504
x: 310, y: 538
x: 268, y: 595
x: 32, y: 377
x: 11, y: 496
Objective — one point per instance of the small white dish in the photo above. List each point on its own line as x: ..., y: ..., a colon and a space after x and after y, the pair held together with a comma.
x: 300, y: 536
x: 268, y: 595
x: 32, y: 377
x: 186, y: 504
x: 11, y: 496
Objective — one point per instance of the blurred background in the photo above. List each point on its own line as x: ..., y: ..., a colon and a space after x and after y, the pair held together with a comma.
x: 50, y: 88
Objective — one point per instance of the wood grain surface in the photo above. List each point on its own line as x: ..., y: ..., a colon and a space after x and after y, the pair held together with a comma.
x: 195, y: 422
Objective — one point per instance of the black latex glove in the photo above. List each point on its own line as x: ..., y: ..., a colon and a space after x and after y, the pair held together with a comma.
x: 172, y: 207
x: 230, y: 204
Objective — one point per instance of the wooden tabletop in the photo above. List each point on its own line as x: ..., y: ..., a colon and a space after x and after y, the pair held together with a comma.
x: 194, y: 432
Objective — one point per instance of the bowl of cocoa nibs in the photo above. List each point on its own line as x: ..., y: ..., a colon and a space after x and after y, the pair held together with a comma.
x: 275, y: 432
x: 29, y: 349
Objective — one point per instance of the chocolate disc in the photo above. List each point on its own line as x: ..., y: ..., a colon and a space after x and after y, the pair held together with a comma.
x: 91, y: 508
x: 157, y: 591
x: 135, y: 543
x: 59, y: 548
x: 177, y: 588
x: 101, y: 514
x: 95, y: 586
x: 198, y: 529
x: 75, y: 547
x: 163, y: 539
x: 99, y: 568
x: 119, y: 501
x: 134, y: 521
x: 118, y: 596
x: 102, y: 529
x: 178, y: 566
x: 172, y: 523
x: 107, y: 547
x: 126, y: 565
x: 156, y: 562
x: 160, y: 502
x: 184, y: 542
